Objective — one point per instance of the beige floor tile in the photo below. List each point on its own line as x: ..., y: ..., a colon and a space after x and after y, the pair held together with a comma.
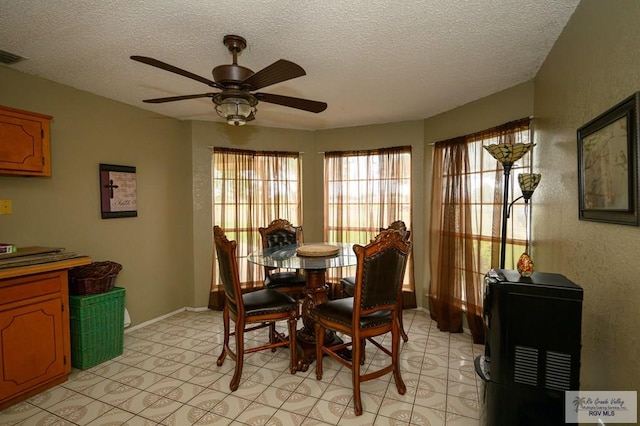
x: 185, y: 415
x: 207, y: 399
x: 110, y: 390
x: 428, y: 416
x: 164, y: 386
x: 461, y: 376
x: 410, y: 379
x: 213, y: 419
x: 338, y: 394
x: 285, y: 418
x: 287, y: 381
x: 160, y: 409
x: 309, y: 421
x: 299, y: 403
x: 146, y: 362
x: 231, y: 406
x: 464, y: 352
x: 185, y: 373
x: 256, y: 414
x: 45, y: 418
x: 155, y: 383
x: 350, y: 419
x: 311, y: 387
x: 462, y: 390
x: 185, y: 392
x: 51, y: 397
x: 463, y: 407
x: 205, y: 377
x: 112, y: 418
x: 457, y: 420
x: 145, y: 380
x: 109, y: 368
x: 18, y: 413
x: 273, y: 397
x: 197, y: 345
x: 395, y: 409
x: 327, y: 411
x: 435, y: 384
x: 88, y: 413
x: 137, y: 402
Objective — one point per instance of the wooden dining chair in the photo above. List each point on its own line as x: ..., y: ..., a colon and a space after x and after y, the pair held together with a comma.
x: 373, y: 311
x: 281, y: 232
x: 348, y: 283
x: 251, y: 311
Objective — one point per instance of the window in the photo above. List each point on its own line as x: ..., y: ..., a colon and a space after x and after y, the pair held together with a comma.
x: 250, y: 189
x: 486, y: 185
x: 366, y: 191
x: 465, y: 228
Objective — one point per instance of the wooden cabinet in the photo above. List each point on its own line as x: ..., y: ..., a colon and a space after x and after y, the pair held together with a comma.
x: 35, y: 350
x: 25, y: 146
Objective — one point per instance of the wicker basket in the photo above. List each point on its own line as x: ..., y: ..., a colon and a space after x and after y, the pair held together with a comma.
x: 97, y: 327
x: 95, y: 278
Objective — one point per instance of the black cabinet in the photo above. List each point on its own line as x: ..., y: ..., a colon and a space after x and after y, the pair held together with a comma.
x: 532, y: 347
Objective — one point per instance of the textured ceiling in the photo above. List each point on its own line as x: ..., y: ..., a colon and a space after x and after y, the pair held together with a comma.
x: 371, y: 61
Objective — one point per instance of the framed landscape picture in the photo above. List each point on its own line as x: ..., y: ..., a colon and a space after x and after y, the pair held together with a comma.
x: 608, y: 165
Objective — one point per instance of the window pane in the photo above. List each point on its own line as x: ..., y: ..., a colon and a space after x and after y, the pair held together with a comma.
x: 250, y: 189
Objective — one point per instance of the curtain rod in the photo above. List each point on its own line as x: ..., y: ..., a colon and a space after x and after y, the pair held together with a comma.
x: 433, y: 143
x: 211, y: 147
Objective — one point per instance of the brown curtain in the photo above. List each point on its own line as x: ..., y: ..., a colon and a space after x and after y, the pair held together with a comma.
x: 366, y: 191
x: 483, y: 165
x: 451, y: 250
x: 251, y: 189
x: 464, y: 233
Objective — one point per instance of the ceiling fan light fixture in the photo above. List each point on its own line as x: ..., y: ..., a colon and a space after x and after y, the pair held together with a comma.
x: 234, y: 109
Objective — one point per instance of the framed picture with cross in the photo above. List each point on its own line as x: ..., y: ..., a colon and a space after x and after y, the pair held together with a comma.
x: 118, y: 196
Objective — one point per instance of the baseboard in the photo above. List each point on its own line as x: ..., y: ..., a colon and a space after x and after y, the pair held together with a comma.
x: 165, y: 316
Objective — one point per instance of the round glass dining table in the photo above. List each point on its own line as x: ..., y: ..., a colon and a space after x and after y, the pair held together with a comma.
x: 315, y: 268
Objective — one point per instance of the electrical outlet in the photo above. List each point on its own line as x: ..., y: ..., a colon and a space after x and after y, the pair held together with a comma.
x: 6, y: 207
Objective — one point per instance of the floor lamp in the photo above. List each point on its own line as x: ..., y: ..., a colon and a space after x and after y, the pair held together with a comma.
x: 507, y: 154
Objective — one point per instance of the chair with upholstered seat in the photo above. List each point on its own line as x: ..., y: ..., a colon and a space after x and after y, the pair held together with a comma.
x: 372, y: 311
x: 281, y: 232
x: 348, y: 283
x: 251, y: 311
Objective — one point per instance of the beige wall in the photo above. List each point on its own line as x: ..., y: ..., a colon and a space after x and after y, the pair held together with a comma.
x: 154, y: 248
x: 594, y: 65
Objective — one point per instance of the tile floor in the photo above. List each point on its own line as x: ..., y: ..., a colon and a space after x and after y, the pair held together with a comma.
x: 168, y: 375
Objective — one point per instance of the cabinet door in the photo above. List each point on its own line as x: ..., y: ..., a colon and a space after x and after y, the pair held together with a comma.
x: 24, y: 143
x: 31, y: 347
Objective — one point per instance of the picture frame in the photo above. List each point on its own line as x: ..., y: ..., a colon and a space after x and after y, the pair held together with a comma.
x: 118, y: 191
x: 608, y: 165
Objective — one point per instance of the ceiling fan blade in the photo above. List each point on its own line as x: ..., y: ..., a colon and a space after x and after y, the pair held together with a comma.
x: 279, y: 71
x: 288, y: 101
x: 163, y: 65
x: 178, y: 98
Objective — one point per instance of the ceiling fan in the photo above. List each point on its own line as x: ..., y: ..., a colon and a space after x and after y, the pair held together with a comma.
x: 236, y: 102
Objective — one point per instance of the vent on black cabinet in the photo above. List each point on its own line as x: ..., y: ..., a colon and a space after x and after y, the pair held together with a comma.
x: 525, y: 369
x: 558, y: 371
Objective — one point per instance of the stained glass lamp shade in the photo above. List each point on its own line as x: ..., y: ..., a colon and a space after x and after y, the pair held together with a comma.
x: 507, y: 154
